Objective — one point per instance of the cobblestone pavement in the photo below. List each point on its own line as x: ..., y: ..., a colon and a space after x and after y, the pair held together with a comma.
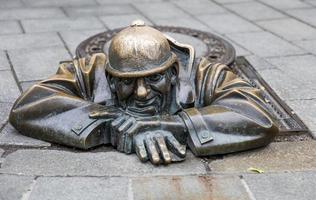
x: 277, y: 36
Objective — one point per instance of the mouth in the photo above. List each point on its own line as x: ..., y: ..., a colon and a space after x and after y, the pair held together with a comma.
x: 146, y: 103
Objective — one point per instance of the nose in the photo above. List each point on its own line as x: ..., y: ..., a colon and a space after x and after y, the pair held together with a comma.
x: 141, y: 90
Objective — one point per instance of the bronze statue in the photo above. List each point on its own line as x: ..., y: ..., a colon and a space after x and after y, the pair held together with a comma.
x: 148, y: 96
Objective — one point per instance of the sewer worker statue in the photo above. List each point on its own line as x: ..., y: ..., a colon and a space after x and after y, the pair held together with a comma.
x: 149, y: 96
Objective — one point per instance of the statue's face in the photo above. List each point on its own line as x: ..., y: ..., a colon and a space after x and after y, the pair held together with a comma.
x: 145, y: 96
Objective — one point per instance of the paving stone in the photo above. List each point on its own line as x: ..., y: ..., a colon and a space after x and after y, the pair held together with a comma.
x: 1, y: 152
x: 37, y: 64
x: 265, y: 44
x: 291, y: 29
x: 9, y: 90
x: 230, y: 1
x: 58, y: 3
x: 4, y: 64
x: 11, y: 3
x: 306, y: 110
x: 13, y: 187
x: 63, y: 163
x: 228, y: 23
x: 240, y: 51
x: 107, y: 2
x: 74, y: 38
x: 30, y: 13
x: 4, y: 112
x: 286, y: 4
x: 160, y: 10
x: 286, y: 87
x: 69, y: 188
x: 280, y: 156
x: 259, y: 63
x: 9, y: 27
x: 199, y: 7
x: 298, y: 67
x: 10, y: 136
x: 306, y: 15
x: 22, y: 41
x: 100, y: 10
x: 118, y: 21
x: 289, y: 186
x: 47, y: 25
x: 254, y: 11
x: 187, y: 22
x: 189, y: 187
x: 309, y: 45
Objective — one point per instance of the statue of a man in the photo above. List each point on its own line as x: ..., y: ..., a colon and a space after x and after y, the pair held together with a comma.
x: 148, y: 96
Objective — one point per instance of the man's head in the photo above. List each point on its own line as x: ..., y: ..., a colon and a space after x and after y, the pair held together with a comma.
x: 142, y: 70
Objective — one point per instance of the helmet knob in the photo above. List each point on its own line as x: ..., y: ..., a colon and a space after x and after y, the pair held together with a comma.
x: 137, y: 22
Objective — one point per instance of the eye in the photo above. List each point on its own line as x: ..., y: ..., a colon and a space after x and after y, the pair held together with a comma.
x: 155, y: 77
x: 127, y: 81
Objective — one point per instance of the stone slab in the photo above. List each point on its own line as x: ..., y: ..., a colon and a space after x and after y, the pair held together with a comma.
x: 306, y: 110
x: 4, y: 112
x: 240, y: 51
x: 309, y: 45
x: 74, y: 38
x: 119, y: 21
x: 31, y: 40
x: 9, y: 27
x: 58, y: 3
x: 199, y: 7
x: 50, y: 25
x: 9, y: 90
x: 100, y: 10
x: 286, y: 4
x: 160, y: 10
x: 277, y: 157
x: 4, y: 63
x: 64, y: 163
x: 1, y: 152
x: 187, y: 22
x: 228, y: 23
x: 289, y: 186
x: 13, y: 187
x: 298, y: 67
x: 10, y: 136
x: 189, y: 187
x: 37, y: 64
x: 265, y: 44
x: 291, y: 29
x: 254, y: 11
x: 306, y: 15
x: 31, y: 13
x: 259, y: 63
x: 73, y: 188
x: 288, y: 88
x: 11, y: 4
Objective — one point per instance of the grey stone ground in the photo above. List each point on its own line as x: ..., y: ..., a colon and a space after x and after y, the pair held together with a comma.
x: 277, y: 36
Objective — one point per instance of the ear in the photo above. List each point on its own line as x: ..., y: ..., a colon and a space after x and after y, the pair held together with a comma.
x: 111, y: 81
x: 174, y: 73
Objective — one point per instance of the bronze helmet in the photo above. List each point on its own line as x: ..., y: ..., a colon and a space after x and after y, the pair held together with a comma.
x: 139, y: 51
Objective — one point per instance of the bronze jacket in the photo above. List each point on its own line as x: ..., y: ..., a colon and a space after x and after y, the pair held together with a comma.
x: 223, y: 113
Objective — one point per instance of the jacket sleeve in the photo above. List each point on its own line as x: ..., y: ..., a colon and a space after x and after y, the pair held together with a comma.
x: 57, y: 109
x: 230, y: 115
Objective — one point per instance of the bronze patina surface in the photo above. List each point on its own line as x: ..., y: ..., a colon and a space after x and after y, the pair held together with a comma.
x: 148, y: 95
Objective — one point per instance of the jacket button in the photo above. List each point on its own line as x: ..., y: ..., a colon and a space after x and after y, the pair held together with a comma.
x: 78, y: 127
x: 205, y: 134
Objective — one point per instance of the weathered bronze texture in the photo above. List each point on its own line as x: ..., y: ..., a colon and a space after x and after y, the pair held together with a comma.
x: 149, y: 96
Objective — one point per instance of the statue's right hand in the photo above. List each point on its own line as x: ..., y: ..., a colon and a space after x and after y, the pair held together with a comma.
x: 106, y: 112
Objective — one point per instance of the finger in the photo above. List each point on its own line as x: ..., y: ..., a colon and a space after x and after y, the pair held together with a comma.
x: 120, y: 141
x: 175, y: 146
x: 140, y: 149
x: 113, y: 137
x: 160, y: 140
x: 125, y: 125
x: 152, y: 151
x: 117, y: 122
